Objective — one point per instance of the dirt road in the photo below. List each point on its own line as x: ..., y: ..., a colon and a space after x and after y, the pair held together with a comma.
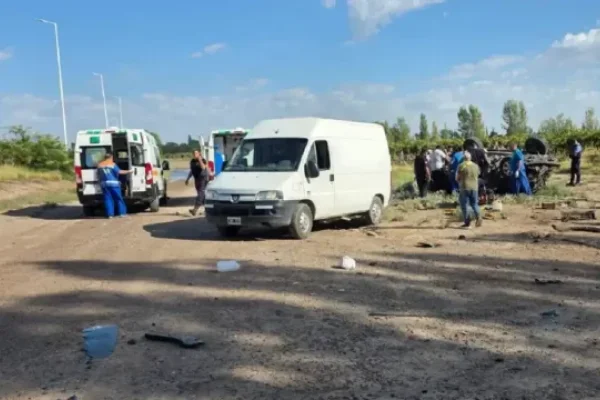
x: 467, y: 320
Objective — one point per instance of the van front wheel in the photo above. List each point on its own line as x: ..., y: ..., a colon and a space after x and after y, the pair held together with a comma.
x: 155, y: 205
x: 375, y: 213
x: 302, y: 222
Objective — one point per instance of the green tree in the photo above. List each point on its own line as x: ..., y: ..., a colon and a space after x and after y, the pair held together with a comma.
x: 477, y: 128
x: 435, y: 134
x: 464, y: 122
x: 403, y: 130
x: 556, y: 126
x: 514, y: 115
x: 446, y: 133
x: 590, y: 123
x: 423, y: 128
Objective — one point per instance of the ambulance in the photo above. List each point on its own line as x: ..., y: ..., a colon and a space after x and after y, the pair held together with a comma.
x: 133, y: 149
x: 224, y: 140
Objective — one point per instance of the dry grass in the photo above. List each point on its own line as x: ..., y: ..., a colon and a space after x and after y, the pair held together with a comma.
x: 39, y: 198
x: 9, y: 173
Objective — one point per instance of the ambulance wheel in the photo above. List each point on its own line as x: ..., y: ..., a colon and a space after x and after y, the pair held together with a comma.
x: 302, y: 222
x: 155, y: 205
x: 375, y: 213
x: 228, y: 231
x: 89, y: 211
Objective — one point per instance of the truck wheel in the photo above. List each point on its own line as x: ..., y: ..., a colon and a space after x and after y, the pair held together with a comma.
x: 155, y: 205
x: 228, y: 231
x: 89, y: 211
x: 302, y: 222
x: 375, y: 213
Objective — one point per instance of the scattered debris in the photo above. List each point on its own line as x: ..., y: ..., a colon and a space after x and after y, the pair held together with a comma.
x: 347, y: 263
x: 228, y: 266
x: 566, y: 228
x: 187, y: 342
x: 100, y: 341
x: 548, y: 206
x: 549, y: 314
x: 427, y: 245
x: 497, y: 206
x: 388, y: 314
x: 131, y: 342
x: 547, y: 281
x: 462, y: 237
x: 578, y: 215
x: 370, y: 232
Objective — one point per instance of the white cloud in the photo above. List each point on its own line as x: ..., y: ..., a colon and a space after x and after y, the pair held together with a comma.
x: 579, y: 41
x: 209, y: 50
x: 6, y: 54
x: 367, y: 17
x: 537, y: 79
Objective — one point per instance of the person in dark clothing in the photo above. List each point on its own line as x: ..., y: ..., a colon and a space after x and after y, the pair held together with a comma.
x: 575, y: 153
x: 422, y: 173
x: 198, y: 171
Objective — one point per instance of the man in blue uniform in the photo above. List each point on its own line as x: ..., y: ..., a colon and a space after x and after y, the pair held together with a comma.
x: 519, y: 180
x: 455, y: 160
x: 108, y: 176
x: 219, y: 160
x: 575, y: 154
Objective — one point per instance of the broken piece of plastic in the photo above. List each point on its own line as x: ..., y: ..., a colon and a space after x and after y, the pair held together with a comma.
x: 187, y: 342
x: 100, y: 341
x: 227, y: 266
x: 348, y: 263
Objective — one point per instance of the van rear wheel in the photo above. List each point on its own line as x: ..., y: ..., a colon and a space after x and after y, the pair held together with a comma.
x: 375, y: 213
x: 302, y: 222
x: 155, y: 205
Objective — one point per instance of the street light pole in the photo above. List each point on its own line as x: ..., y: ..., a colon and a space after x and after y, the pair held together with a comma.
x: 103, y: 97
x: 120, y: 111
x: 60, y: 80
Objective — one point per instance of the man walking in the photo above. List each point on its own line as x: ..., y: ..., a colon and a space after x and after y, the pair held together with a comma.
x: 199, y: 171
x: 108, y: 176
x: 455, y: 161
x: 575, y: 153
x: 422, y: 173
x: 467, y: 177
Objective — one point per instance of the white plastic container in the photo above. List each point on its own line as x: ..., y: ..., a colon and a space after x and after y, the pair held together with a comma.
x: 347, y: 263
x: 227, y: 266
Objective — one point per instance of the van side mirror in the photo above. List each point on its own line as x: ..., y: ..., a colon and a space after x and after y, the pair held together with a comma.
x: 166, y: 166
x: 311, y: 169
x: 224, y: 164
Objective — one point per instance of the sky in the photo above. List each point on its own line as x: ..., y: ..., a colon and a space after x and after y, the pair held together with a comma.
x: 187, y: 67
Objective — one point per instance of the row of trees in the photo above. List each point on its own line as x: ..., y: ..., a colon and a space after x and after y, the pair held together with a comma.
x: 556, y: 131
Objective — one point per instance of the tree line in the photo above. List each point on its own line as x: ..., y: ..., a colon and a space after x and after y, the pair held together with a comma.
x: 556, y: 131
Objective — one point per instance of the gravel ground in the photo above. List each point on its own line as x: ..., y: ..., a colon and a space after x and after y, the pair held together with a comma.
x: 461, y: 320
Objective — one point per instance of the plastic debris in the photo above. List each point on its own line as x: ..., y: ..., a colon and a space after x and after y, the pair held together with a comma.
x: 187, y: 342
x: 228, y: 266
x: 348, y: 263
x: 100, y: 341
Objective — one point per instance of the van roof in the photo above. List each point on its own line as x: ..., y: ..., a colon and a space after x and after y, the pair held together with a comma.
x: 307, y: 127
x: 108, y: 130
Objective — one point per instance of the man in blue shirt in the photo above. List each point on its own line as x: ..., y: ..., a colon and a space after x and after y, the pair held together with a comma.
x: 519, y: 180
x: 575, y: 153
x: 108, y: 176
x: 455, y: 160
x: 219, y: 160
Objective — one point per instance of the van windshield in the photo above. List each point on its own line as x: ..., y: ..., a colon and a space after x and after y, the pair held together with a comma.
x: 280, y: 154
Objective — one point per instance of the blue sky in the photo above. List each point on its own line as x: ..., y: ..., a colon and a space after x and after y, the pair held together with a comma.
x: 187, y: 67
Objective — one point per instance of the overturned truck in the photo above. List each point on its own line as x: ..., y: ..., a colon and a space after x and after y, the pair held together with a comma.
x: 539, y: 163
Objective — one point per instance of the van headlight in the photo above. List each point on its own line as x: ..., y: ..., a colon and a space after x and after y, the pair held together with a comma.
x: 269, y: 195
x: 210, y: 195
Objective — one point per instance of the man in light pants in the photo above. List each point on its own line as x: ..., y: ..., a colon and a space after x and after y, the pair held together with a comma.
x: 467, y: 177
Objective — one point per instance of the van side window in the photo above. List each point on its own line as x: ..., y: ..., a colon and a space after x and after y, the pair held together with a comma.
x: 157, y: 157
x: 322, y: 155
x: 137, y: 155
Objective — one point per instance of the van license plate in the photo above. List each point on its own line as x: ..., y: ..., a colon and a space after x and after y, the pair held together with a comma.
x: 234, y: 221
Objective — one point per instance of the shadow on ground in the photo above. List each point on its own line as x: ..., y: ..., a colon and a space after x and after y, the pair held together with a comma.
x: 465, y: 327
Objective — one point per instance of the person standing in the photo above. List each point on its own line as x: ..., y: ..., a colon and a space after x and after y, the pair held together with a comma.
x: 198, y: 171
x: 519, y: 180
x: 457, y: 158
x: 467, y: 177
x: 436, y: 166
x: 108, y: 176
x: 422, y: 173
x: 575, y: 153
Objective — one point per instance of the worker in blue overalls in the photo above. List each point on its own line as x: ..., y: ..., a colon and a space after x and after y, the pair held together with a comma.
x: 219, y: 161
x: 455, y: 160
x: 518, y: 178
x: 108, y: 176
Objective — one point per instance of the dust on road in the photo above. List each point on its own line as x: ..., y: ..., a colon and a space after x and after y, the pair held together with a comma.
x: 466, y: 316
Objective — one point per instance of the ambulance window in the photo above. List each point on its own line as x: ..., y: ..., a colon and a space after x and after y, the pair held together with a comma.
x: 91, y: 156
x: 137, y: 155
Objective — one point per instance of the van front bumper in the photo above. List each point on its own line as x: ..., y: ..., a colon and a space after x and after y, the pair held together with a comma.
x: 271, y: 214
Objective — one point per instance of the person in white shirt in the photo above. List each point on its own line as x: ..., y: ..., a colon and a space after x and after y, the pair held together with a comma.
x: 437, y: 163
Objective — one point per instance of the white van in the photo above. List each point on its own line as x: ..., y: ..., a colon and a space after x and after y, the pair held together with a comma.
x: 292, y: 172
x: 133, y: 149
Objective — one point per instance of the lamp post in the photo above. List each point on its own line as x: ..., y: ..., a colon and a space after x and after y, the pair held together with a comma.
x: 60, y: 80
x: 103, y: 97
x: 120, y: 111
